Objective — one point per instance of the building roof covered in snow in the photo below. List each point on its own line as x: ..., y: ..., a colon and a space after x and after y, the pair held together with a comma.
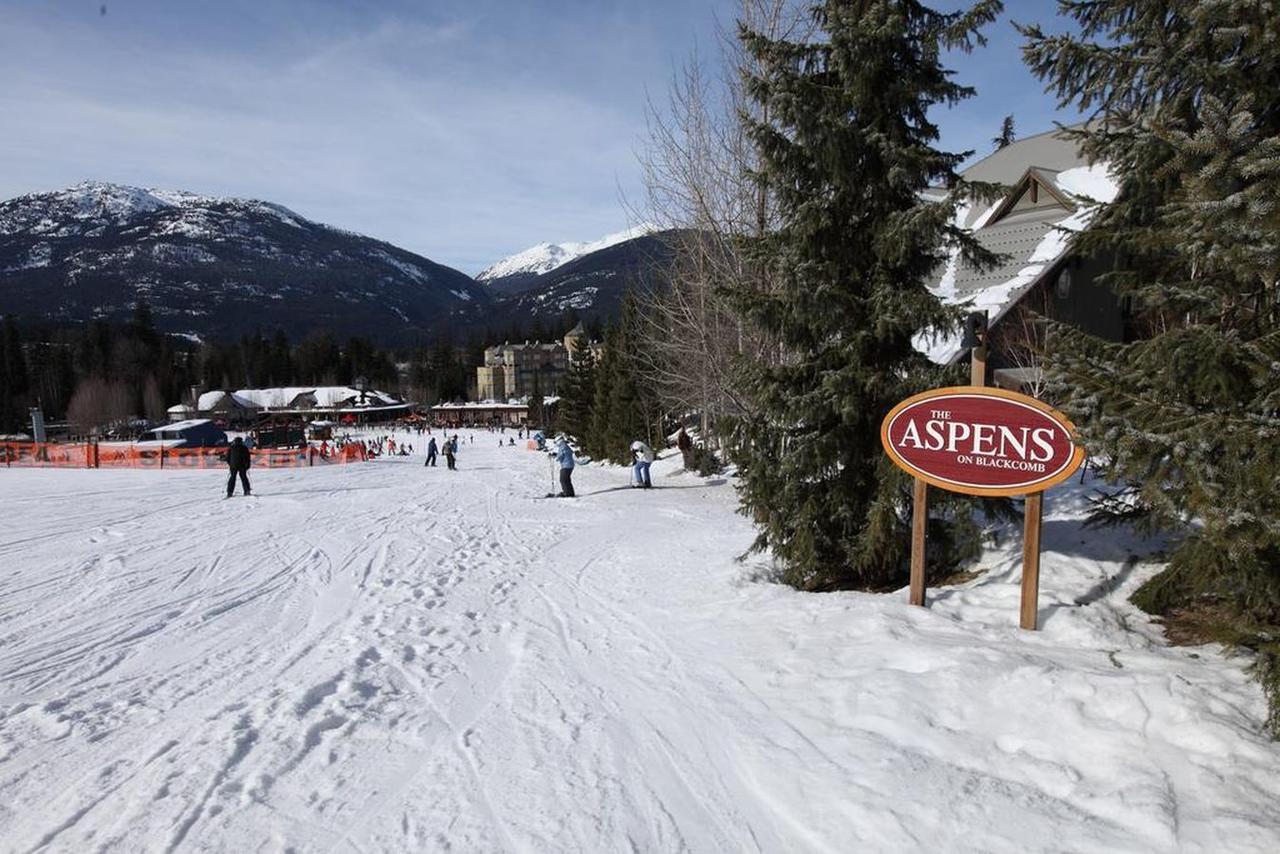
x: 1052, y: 193
x: 299, y: 398
x: 211, y: 400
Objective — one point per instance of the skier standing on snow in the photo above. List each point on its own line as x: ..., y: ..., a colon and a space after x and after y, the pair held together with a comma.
x: 564, y: 456
x: 238, y: 460
x: 451, y: 453
x: 643, y: 456
x: 431, y: 453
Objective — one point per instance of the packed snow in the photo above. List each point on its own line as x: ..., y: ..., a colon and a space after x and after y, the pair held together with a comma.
x: 545, y: 257
x: 387, y: 657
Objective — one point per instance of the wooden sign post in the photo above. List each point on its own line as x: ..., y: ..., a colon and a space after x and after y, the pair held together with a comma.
x: 1031, y: 515
x: 981, y: 441
x: 919, y: 524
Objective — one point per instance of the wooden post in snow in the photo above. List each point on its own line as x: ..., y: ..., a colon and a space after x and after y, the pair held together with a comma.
x: 1032, y: 513
x: 919, y: 524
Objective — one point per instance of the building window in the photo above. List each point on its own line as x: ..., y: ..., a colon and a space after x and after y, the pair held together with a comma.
x: 1062, y: 287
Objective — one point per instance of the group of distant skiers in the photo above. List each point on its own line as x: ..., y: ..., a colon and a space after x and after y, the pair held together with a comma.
x: 642, y: 456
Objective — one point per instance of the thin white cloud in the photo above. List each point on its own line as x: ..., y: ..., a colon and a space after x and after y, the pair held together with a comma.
x: 395, y: 131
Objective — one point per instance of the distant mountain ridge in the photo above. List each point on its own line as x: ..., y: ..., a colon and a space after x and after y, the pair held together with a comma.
x: 214, y: 267
x: 217, y: 268
x: 590, y: 287
x: 520, y: 271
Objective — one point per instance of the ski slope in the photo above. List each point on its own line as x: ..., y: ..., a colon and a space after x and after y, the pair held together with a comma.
x: 383, y: 657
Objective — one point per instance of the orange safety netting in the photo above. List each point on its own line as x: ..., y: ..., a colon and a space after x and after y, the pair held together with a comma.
x: 46, y: 455
x: 89, y: 455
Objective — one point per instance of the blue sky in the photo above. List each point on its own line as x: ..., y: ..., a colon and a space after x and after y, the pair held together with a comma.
x: 464, y: 131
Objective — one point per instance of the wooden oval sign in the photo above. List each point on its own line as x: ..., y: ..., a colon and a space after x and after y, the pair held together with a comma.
x: 981, y: 441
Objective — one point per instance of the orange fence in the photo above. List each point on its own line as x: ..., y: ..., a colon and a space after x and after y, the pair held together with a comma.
x: 93, y: 455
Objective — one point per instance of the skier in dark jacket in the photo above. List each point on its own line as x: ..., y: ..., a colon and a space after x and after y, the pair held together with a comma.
x: 238, y: 462
x: 431, y: 453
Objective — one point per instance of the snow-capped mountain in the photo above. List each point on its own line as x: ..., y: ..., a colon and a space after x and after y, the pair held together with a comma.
x: 213, y: 267
x: 590, y: 286
x: 516, y: 272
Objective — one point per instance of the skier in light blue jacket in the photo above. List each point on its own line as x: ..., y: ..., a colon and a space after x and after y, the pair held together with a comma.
x: 564, y: 457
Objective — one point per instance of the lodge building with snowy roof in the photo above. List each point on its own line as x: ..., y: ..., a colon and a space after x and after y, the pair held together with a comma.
x: 1051, y: 193
x: 247, y: 406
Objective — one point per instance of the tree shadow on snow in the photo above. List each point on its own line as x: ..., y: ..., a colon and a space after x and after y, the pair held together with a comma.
x: 1071, y: 537
x: 657, y: 488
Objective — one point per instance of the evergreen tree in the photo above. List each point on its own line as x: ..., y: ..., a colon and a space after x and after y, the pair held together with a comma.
x: 1186, y: 416
x: 623, y: 408
x: 281, y: 359
x: 846, y: 152
x: 599, y: 438
x: 537, y: 412
x: 1006, y: 136
x: 14, y: 376
x: 577, y: 392
x: 14, y: 369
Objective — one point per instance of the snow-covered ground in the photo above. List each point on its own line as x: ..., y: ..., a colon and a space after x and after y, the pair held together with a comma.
x: 383, y: 657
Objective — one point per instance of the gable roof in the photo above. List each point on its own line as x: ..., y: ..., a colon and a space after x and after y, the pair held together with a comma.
x: 1033, y: 180
x: 1031, y: 239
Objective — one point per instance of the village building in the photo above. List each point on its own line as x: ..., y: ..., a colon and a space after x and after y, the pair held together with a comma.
x: 488, y: 413
x: 513, y: 371
x: 342, y: 404
x: 1051, y: 192
x: 194, y: 433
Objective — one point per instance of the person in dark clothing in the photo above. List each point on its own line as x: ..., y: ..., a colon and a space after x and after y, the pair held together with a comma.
x: 685, y: 444
x: 451, y: 453
x: 238, y: 461
x: 431, y: 453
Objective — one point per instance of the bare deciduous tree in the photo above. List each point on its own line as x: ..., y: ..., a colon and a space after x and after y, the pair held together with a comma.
x: 1021, y: 337
x: 99, y: 403
x: 699, y: 168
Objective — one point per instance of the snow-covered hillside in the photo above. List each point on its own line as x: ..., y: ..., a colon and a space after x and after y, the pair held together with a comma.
x: 214, y: 267
x: 63, y: 213
x: 545, y: 257
x: 384, y: 657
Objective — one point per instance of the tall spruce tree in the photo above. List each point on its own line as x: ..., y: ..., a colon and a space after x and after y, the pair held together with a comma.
x: 622, y: 406
x: 847, y: 151
x: 577, y: 394
x: 596, y: 440
x: 14, y: 379
x: 1188, y: 415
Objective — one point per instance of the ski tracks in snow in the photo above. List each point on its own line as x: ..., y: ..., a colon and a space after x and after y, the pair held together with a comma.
x: 390, y: 658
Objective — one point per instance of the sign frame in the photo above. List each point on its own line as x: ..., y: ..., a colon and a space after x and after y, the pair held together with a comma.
x: 1068, y: 469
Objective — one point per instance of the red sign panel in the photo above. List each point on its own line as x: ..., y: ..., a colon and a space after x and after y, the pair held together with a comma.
x: 981, y: 441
